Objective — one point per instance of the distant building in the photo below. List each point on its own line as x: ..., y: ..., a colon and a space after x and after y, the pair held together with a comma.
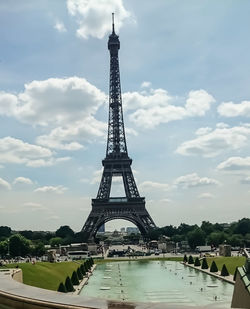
x: 123, y: 230
x: 131, y: 230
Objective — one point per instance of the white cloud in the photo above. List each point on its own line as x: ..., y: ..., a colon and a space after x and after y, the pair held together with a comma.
x: 156, y: 106
x: 206, y: 195
x: 97, y: 175
x: 193, y: 180
x: 150, y: 185
x: 4, y: 184
x: 59, y: 26
x: 94, y: 16
x: 230, y: 109
x: 33, y: 206
x: 235, y: 164
x: 23, y: 180
x: 146, y: 84
x: 64, y: 106
x: 213, y: 143
x: 87, y: 130
x: 16, y: 151
x: 51, y: 189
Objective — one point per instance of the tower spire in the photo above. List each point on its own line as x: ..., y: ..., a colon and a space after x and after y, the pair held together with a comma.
x: 113, y: 23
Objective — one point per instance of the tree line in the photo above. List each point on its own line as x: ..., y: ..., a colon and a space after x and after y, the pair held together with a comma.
x: 27, y: 242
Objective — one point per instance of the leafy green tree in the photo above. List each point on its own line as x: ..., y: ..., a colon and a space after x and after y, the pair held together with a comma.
x: 62, y: 288
x: 213, y: 267
x: 55, y: 241
x: 19, y: 245
x: 197, y: 262
x: 207, y: 227
x: 3, y: 248
x: 79, y: 273
x: 224, y: 271
x: 190, y: 260
x: 74, y: 278
x: 5, y: 231
x: 217, y: 238
x: 27, y: 234
x: 68, y: 285
x: 247, y: 240
x: 236, y: 240
x: 204, y: 264
x: 64, y: 232
x: 243, y: 226
x: 39, y: 249
x: 196, y: 237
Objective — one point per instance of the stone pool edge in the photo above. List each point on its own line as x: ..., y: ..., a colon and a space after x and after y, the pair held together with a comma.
x: 216, y: 275
x: 78, y: 288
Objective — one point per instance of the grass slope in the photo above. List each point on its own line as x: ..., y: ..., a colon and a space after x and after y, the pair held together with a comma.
x: 46, y: 275
x: 231, y: 262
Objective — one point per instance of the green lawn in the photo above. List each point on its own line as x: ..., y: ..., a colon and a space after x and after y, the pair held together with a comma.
x: 46, y: 275
x: 231, y: 262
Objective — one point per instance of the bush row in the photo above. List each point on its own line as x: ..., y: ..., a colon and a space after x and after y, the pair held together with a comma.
x: 204, y: 265
x: 76, y: 277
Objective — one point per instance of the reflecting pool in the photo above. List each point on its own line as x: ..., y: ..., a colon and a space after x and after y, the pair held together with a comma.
x: 157, y: 281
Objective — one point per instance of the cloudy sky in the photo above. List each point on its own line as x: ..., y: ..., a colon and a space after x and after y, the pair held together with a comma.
x: 185, y: 81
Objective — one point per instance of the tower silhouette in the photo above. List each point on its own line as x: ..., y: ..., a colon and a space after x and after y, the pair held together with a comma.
x: 117, y: 163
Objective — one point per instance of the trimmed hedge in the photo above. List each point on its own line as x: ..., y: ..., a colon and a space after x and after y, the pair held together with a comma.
x: 61, y: 288
x: 235, y: 273
x: 68, y: 285
x: 74, y: 278
x: 197, y: 262
x: 224, y: 271
x: 79, y: 273
x: 83, y: 270
x: 204, y: 264
x: 213, y: 267
x: 190, y: 260
x: 185, y: 259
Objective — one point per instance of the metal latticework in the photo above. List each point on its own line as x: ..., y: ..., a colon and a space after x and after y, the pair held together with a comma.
x: 117, y: 163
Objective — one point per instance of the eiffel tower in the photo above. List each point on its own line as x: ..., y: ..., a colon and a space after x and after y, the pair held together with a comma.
x: 117, y: 163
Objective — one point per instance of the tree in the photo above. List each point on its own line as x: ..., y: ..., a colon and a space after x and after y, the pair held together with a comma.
x: 74, y: 278
x: 207, y: 227
x: 61, y: 288
x: 197, y: 262
x: 224, y: 271
x: 190, y: 260
x: 68, y: 285
x: 83, y: 270
x: 185, y: 259
x: 55, y: 241
x: 236, y: 240
x: 39, y: 249
x: 204, y: 264
x: 5, y: 231
x: 217, y: 238
x: 3, y: 248
x: 19, y: 245
x: 64, y: 232
x: 79, y: 273
x: 243, y: 226
x: 213, y: 267
x: 196, y: 237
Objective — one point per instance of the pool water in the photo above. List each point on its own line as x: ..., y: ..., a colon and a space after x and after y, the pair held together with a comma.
x: 154, y: 281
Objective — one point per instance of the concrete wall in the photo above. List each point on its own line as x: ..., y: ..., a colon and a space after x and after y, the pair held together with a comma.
x: 17, y: 275
x: 241, y: 295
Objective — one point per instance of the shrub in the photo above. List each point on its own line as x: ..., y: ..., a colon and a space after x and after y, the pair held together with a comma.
x: 235, y: 273
x: 185, y: 259
x: 190, y: 260
x: 74, y: 278
x: 83, y: 269
x: 92, y: 261
x: 213, y: 267
x: 86, y: 263
x: 68, y: 285
x: 79, y: 273
x: 197, y: 262
x: 224, y: 271
x: 204, y: 264
x: 61, y: 288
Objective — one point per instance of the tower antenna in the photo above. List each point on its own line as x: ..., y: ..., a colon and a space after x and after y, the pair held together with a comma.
x: 113, y: 22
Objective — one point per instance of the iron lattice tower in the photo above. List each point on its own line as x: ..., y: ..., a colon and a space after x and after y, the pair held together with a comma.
x: 117, y: 163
